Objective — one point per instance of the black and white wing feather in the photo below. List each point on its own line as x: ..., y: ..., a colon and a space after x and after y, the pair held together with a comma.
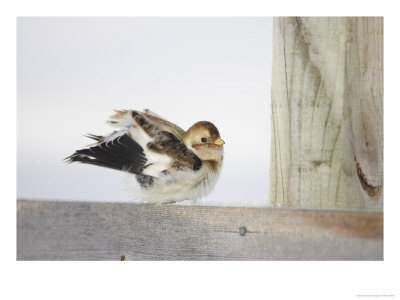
x: 120, y: 153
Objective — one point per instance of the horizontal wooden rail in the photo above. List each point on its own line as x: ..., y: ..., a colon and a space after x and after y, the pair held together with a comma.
x: 52, y: 230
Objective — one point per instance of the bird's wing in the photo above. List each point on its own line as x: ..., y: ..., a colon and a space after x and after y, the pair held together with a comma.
x: 125, y: 119
x: 145, y: 144
x: 162, y: 143
x: 176, y: 130
x: 120, y: 153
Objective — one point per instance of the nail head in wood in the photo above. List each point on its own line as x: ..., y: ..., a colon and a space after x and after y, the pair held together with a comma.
x: 242, y: 230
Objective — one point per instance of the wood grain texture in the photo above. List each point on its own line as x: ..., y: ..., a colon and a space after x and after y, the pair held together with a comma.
x: 327, y: 113
x: 115, y: 231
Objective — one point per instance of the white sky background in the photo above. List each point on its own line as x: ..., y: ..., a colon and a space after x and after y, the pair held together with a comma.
x: 72, y: 73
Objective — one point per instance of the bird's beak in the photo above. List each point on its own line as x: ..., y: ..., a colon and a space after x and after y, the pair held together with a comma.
x: 219, y: 142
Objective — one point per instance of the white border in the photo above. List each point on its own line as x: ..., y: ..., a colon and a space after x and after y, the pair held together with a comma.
x: 196, y: 280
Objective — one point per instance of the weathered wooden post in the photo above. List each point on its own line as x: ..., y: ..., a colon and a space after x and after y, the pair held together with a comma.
x: 327, y: 113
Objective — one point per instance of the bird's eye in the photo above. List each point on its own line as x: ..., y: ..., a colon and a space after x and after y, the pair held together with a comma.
x: 203, y: 140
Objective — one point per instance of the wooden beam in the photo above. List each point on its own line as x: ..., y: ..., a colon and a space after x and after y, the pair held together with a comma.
x: 53, y: 230
x: 327, y: 113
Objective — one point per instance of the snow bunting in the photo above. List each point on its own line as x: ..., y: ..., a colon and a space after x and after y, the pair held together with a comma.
x: 169, y: 164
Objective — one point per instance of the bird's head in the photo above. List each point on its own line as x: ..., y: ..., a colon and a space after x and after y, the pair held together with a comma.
x: 204, y: 140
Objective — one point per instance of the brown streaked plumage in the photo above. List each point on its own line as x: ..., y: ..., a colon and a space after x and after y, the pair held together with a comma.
x: 213, y: 164
x: 170, y: 164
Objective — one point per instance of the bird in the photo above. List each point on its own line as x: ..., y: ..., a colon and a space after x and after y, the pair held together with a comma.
x: 170, y: 164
